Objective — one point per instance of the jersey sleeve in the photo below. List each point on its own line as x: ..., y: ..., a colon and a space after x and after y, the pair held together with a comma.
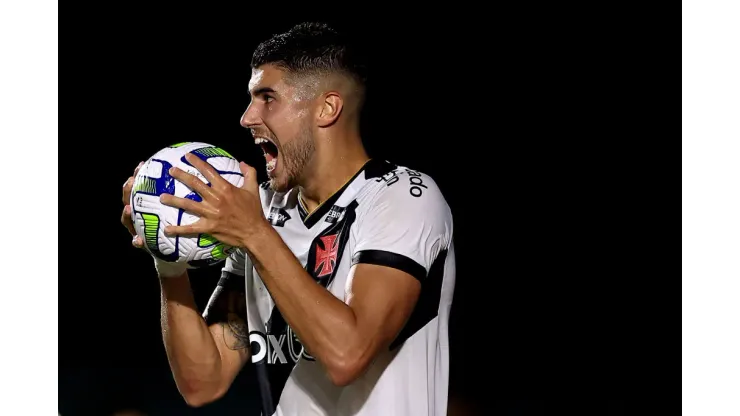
x: 229, y: 296
x: 235, y: 264
x: 405, y: 227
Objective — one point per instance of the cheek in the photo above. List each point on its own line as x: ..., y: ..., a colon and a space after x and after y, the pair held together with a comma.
x: 274, y: 116
x: 287, y: 126
x: 295, y: 116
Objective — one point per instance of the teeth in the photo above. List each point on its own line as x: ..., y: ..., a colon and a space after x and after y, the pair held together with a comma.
x: 259, y: 140
x: 271, y: 165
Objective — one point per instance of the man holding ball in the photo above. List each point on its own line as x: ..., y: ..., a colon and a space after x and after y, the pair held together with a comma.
x: 340, y: 289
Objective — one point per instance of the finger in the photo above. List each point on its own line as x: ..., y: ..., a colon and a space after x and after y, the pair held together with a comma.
x: 188, y: 205
x: 126, y: 220
x: 207, y: 170
x: 192, y: 182
x: 137, y: 242
x: 126, y: 193
x: 250, y: 177
x: 129, y: 184
x: 186, y: 230
x: 136, y: 170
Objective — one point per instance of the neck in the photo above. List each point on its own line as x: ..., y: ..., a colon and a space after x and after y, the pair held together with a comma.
x: 336, y: 161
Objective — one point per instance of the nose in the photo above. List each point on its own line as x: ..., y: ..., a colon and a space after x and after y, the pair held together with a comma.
x: 250, y: 118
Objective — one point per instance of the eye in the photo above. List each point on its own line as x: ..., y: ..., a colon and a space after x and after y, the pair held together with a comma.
x: 268, y: 98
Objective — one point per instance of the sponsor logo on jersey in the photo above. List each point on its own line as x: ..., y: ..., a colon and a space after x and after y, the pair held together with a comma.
x: 334, y: 214
x: 284, y: 348
x: 278, y: 217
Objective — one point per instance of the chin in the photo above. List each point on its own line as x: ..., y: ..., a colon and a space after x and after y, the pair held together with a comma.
x: 279, y: 185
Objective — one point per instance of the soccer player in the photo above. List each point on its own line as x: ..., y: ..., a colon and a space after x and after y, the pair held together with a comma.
x: 340, y: 289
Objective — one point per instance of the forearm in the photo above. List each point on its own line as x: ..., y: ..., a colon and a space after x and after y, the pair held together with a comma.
x: 326, y: 326
x: 192, y: 353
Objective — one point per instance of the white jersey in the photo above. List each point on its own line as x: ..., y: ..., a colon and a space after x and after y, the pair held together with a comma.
x: 386, y: 215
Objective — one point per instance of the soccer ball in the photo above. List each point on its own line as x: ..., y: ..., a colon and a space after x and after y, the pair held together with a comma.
x: 150, y: 216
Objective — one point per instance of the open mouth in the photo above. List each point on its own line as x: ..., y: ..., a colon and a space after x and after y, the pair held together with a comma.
x: 270, y: 150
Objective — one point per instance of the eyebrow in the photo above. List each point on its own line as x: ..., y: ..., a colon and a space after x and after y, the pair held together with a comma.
x: 263, y: 90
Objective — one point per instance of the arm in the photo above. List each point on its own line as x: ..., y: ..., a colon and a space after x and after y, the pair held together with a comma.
x: 397, y: 241
x: 405, y: 224
x: 344, y: 338
x: 205, y: 353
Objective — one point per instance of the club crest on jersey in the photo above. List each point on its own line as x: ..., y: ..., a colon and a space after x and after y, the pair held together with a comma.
x: 326, y: 257
x: 334, y: 214
x: 278, y: 216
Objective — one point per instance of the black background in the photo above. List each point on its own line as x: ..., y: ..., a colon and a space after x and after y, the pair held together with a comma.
x: 545, y: 301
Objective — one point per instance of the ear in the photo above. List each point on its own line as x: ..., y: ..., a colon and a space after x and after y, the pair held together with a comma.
x: 331, y: 107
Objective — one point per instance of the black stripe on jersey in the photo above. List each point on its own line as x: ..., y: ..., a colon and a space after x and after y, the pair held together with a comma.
x: 271, y: 380
x: 302, y: 212
x: 231, y: 281
x: 389, y: 259
x: 216, y: 310
x: 327, y: 247
x: 340, y: 231
x: 373, y: 169
x: 265, y: 385
x: 378, y: 169
x: 427, y: 306
x: 325, y: 206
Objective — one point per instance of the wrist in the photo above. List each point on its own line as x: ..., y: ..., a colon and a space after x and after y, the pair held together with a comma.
x: 177, y: 291
x: 166, y: 270
x: 259, y: 239
x: 256, y: 235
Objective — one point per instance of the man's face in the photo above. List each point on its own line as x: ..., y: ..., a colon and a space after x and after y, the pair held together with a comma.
x: 279, y: 118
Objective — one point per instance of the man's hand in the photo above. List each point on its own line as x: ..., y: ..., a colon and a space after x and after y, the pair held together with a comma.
x: 126, y: 215
x: 205, y: 352
x: 164, y: 269
x: 230, y: 214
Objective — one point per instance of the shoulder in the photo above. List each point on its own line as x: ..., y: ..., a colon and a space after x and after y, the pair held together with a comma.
x: 403, y: 212
x: 407, y: 193
x: 404, y: 186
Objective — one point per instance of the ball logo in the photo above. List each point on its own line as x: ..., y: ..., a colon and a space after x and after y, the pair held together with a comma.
x: 326, y: 258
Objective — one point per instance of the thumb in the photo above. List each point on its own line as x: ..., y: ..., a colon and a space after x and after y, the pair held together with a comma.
x: 250, y: 177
